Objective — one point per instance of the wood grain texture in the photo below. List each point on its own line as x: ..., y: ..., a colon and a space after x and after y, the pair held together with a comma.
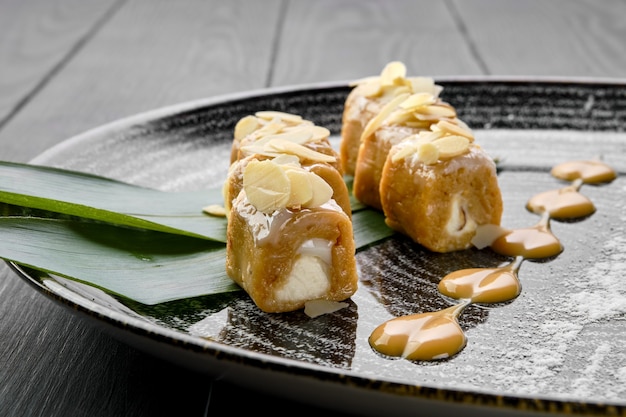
x: 547, y: 38
x: 344, y: 40
x: 36, y: 37
x: 55, y: 363
x: 150, y: 54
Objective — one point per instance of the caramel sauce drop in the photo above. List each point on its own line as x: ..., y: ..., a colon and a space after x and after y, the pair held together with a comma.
x: 563, y: 203
x: 425, y: 336
x: 535, y: 242
x: 590, y: 172
x: 483, y: 285
x: 437, y: 335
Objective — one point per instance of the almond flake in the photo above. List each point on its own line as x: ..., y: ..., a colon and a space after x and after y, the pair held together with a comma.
x: 486, y: 234
x: 418, y: 124
x: 436, y: 110
x: 286, y: 146
x: 427, y: 153
x: 399, y: 117
x: 246, y: 126
x: 391, y: 72
x: 363, y: 80
x: 430, y: 136
x: 301, y: 189
x: 378, y: 120
x: 425, y: 84
x: 396, y: 91
x: 285, y: 117
x: 319, y: 133
x: 451, y: 146
x: 266, y: 185
x: 215, y: 210
x: 405, y: 150
x: 322, y: 191
x: 295, y: 136
x: 371, y: 89
x: 417, y: 100
x: 287, y: 160
x: 258, y: 149
x: 269, y: 129
x: 455, y: 129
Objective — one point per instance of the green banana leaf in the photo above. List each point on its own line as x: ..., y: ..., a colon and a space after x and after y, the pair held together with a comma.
x: 132, y: 241
x: 143, y: 265
x: 98, y: 198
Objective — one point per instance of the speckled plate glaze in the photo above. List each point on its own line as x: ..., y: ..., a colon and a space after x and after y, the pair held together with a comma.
x: 560, y: 347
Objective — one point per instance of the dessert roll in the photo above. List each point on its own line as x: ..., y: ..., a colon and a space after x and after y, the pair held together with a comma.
x: 288, y: 241
x: 437, y: 187
x: 402, y: 117
x: 367, y: 98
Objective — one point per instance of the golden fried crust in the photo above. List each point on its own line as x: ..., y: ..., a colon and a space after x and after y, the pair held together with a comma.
x: 352, y: 125
x: 371, y: 159
x: 261, y: 266
x: 358, y: 110
x: 349, y: 146
x: 440, y: 205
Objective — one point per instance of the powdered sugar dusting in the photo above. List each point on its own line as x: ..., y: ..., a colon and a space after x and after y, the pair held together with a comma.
x: 603, y: 294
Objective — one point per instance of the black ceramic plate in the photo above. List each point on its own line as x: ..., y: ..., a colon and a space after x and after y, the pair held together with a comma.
x: 559, y: 347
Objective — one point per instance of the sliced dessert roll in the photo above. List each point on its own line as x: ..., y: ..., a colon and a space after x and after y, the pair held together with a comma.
x: 438, y: 186
x: 366, y: 100
x: 402, y: 117
x: 288, y: 241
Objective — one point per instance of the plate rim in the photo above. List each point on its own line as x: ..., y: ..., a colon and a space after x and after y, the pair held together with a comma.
x: 222, y: 351
x: 183, y: 106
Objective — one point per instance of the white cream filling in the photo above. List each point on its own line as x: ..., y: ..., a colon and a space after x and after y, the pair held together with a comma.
x: 309, y: 277
x: 308, y: 280
x: 459, y: 222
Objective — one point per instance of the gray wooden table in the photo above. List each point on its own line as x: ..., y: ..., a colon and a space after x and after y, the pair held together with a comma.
x: 70, y: 65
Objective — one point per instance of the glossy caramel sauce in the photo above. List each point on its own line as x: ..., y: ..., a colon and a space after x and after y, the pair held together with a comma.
x: 437, y: 335
x: 536, y: 242
x: 483, y: 285
x: 425, y: 336
x: 590, y: 172
x: 562, y: 203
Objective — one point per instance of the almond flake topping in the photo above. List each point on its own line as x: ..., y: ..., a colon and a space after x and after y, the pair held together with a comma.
x: 270, y: 186
x: 418, y: 110
x: 444, y: 141
x: 285, y: 117
x: 378, y: 120
x: 215, y: 210
x: 268, y: 133
x: 246, y: 126
x: 278, y: 146
x: 393, y: 81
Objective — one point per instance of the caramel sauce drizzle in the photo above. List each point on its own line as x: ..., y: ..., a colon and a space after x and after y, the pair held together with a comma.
x: 438, y: 335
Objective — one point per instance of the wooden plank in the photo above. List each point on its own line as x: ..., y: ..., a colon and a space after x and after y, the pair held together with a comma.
x: 344, y: 40
x: 150, y: 54
x: 546, y: 38
x: 36, y: 39
x: 54, y: 363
